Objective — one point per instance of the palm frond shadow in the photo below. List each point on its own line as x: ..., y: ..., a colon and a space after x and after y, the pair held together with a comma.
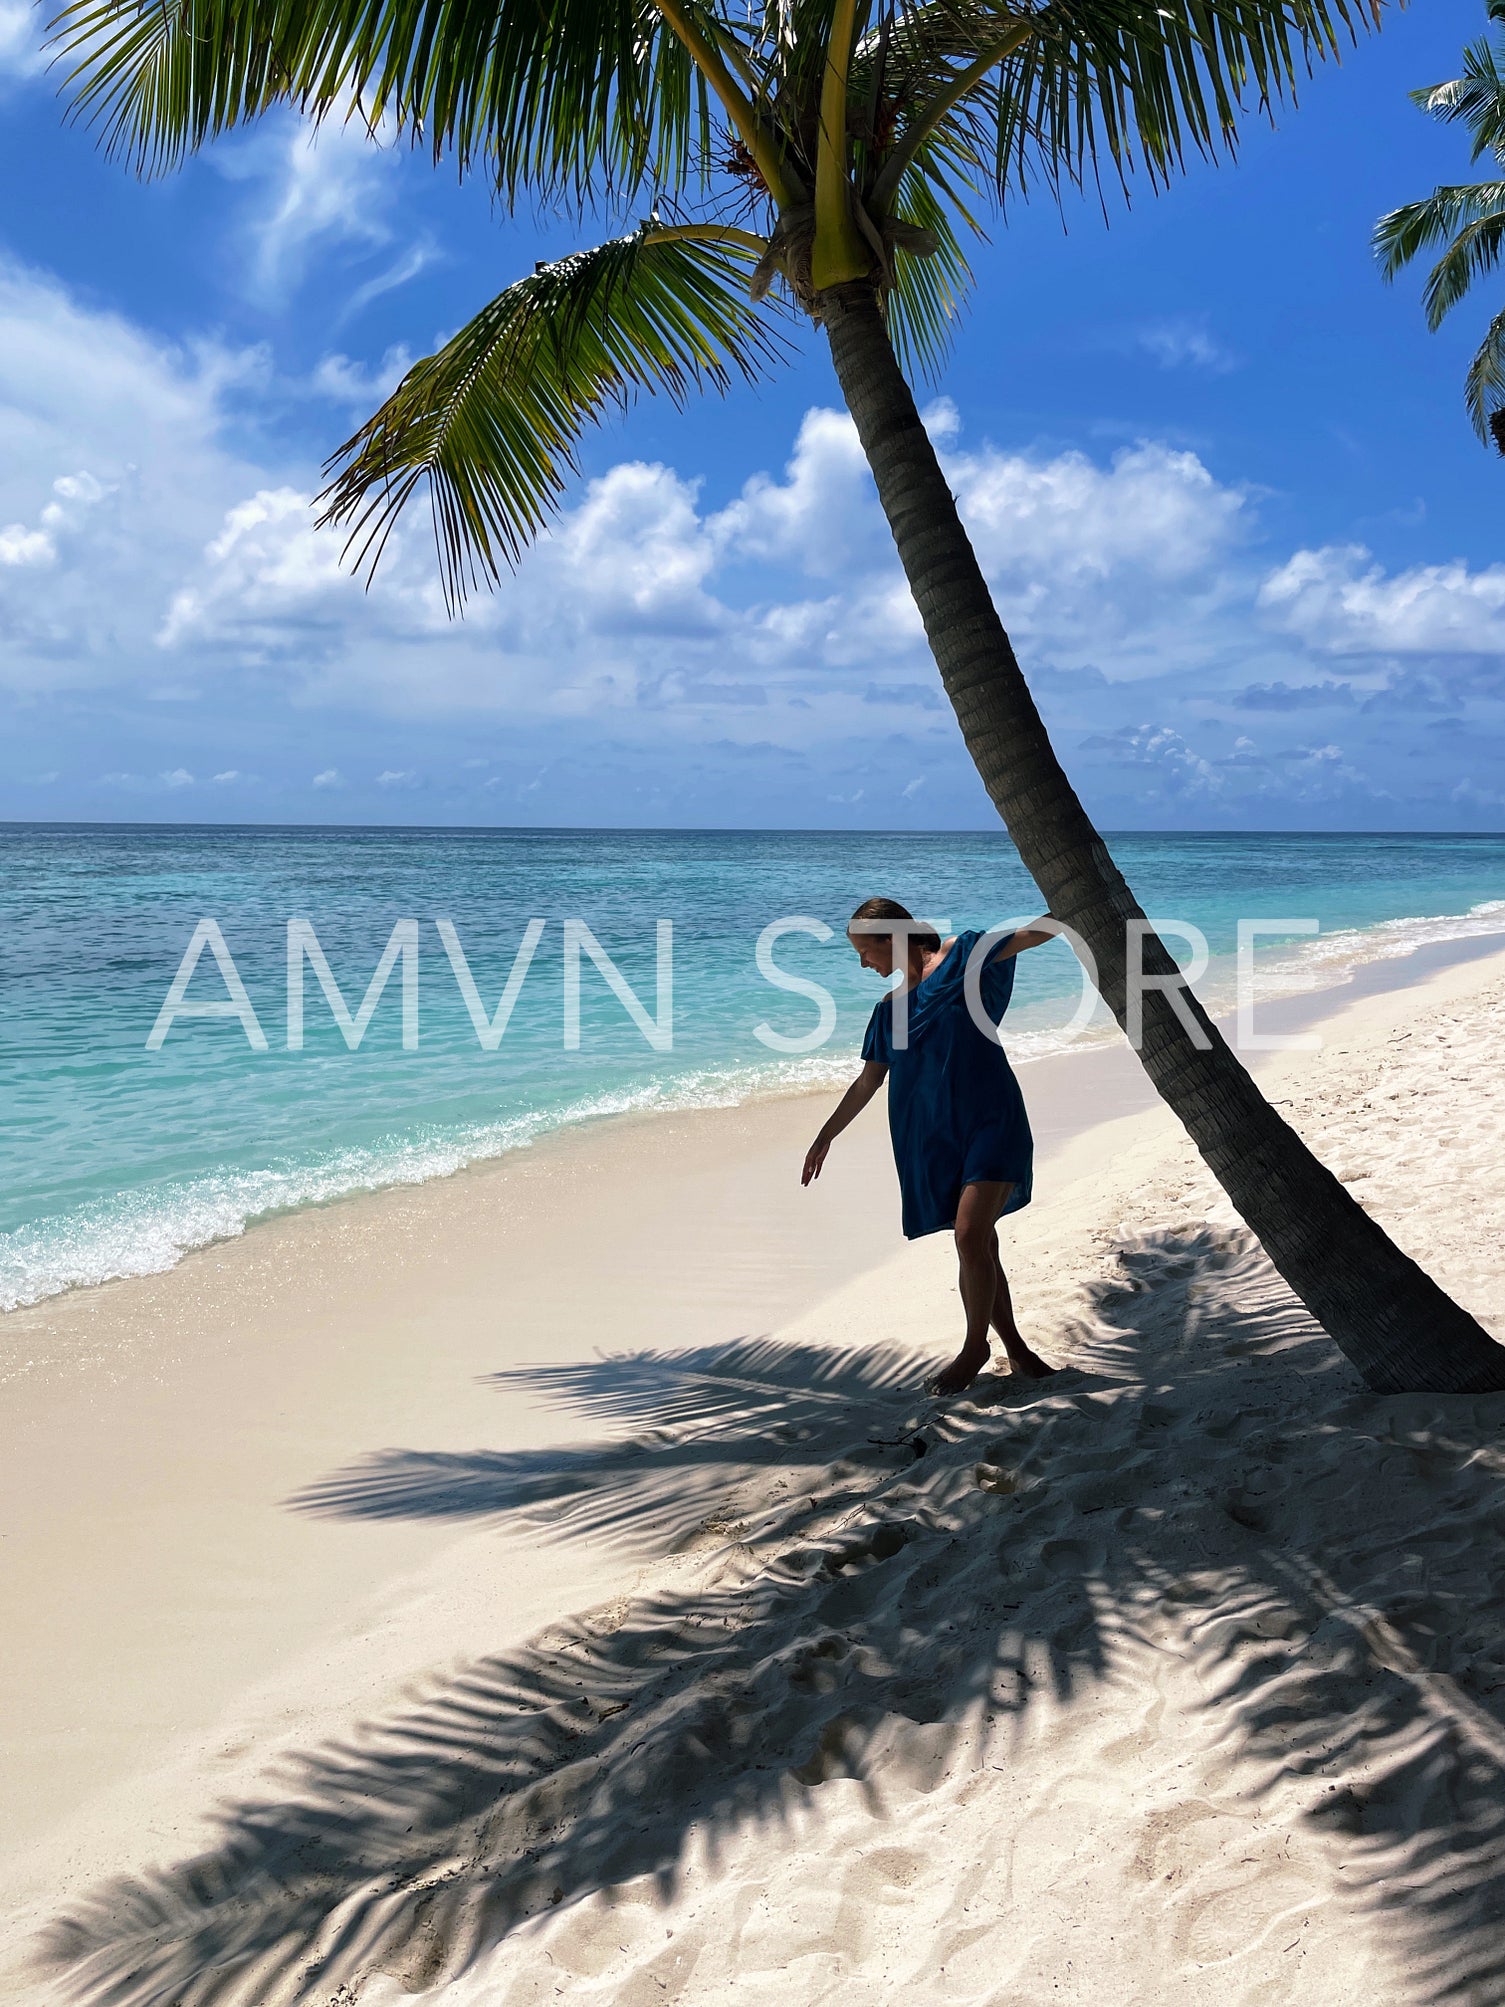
x: 878, y: 1613
x: 712, y: 1423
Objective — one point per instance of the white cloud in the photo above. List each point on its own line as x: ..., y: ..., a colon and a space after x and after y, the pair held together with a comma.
x: 582, y: 627
x: 76, y: 494
x: 822, y: 517
x: 110, y: 461
x: 179, y: 777
x: 941, y: 419
x: 1127, y: 567
x: 1152, y: 511
x: 1185, y: 344
x: 1178, y: 769
x: 1340, y: 600
x: 1328, y: 773
x: 1468, y: 794
x: 416, y: 258
x: 79, y: 488
x: 266, y: 583
x: 21, y: 30
x: 1123, y: 561
x: 331, y: 777
x: 319, y: 188
x: 19, y: 545
x: 345, y: 382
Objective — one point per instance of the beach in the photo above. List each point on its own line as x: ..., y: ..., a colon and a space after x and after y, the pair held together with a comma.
x: 547, y: 1581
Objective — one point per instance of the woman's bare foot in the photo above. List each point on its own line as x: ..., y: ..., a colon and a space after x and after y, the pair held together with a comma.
x: 1026, y: 1364
x: 963, y: 1370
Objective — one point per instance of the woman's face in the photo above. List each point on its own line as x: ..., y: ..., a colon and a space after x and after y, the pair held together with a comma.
x: 874, y: 951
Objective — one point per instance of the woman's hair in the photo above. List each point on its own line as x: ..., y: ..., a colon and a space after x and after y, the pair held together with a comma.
x: 890, y: 909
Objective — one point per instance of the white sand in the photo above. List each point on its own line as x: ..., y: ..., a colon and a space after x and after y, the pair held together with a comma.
x: 1180, y: 1678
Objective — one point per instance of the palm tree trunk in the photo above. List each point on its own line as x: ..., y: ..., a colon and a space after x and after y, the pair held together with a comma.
x: 1388, y: 1316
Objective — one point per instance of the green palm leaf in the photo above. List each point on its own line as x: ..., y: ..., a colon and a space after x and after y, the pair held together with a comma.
x: 1484, y: 386
x: 986, y: 97
x: 578, y: 96
x: 925, y: 298
x: 1469, y: 220
x: 1143, y: 84
x: 596, y: 95
x: 160, y: 79
x: 489, y: 424
x: 1132, y: 80
x: 1474, y: 251
x: 1476, y: 99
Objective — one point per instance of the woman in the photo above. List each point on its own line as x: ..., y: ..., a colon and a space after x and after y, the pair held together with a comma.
x: 960, y: 1132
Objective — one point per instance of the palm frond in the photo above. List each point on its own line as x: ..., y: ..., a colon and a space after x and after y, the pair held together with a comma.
x: 1060, y: 86
x: 1142, y: 85
x: 791, y: 44
x: 1484, y: 386
x: 1468, y: 219
x: 916, y: 49
x: 159, y: 77
x: 925, y: 298
x: 489, y: 424
x: 1474, y: 252
x: 582, y: 96
x: 1476, y: 99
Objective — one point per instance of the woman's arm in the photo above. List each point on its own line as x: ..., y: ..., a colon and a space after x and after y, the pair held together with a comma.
x: 1034, y: 936
x: 851, y: 1104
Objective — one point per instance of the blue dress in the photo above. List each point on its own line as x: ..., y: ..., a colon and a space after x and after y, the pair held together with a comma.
x: 955, y: 1111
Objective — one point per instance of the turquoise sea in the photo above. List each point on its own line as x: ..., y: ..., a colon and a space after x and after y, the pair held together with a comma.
x: 115, y: 1157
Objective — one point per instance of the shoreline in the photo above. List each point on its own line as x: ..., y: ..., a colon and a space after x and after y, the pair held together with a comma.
x: 316, y: 1183
x: 188, y: 1624
x: 1101, y: 1071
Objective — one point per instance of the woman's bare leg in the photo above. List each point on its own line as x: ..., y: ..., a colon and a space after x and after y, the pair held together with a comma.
x: 1023, y: 1360
x: 978, y: 1274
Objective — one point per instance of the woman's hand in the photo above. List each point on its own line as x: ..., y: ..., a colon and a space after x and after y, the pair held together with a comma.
x: 856, y: 1098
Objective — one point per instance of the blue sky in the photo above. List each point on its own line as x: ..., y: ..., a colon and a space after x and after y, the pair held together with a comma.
x: 1220, y: 477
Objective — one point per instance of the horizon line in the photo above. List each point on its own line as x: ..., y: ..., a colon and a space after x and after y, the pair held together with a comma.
x: 675, y: 829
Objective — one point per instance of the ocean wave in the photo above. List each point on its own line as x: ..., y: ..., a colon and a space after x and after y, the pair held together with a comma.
x: 1327, y: 960
x: 147, y: 1231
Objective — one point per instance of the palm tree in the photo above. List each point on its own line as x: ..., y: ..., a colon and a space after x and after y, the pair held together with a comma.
x: 817, y: 158
x: 1469, y: 220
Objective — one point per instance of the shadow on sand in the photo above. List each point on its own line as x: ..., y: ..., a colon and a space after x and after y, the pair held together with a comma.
x: 875, y: 1572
